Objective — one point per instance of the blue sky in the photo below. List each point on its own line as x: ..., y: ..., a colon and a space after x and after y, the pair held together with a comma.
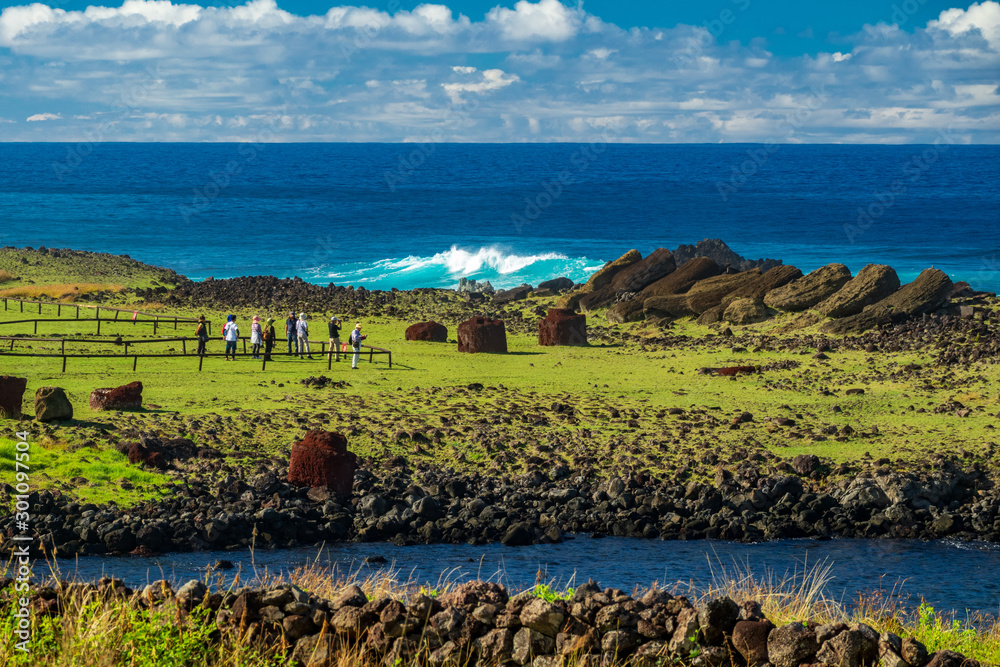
x: 397, y: 70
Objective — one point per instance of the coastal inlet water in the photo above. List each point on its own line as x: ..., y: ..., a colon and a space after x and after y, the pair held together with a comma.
x: 405, y: 216
x: 950, y: 576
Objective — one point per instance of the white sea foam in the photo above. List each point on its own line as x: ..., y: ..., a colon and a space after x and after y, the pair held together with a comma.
x: 501, y: 267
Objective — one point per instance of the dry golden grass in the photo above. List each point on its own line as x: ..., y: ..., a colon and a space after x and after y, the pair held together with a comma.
x: 66, y: 292
x: 6, y: 276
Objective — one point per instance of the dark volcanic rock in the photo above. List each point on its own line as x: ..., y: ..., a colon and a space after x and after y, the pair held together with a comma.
x: 126, y: 397
x: 683, y: 279
x: 52, y: 404
x: 600, y: 279
x: 721, y: 254
x: 790, y: 645
x: 809, y: 290
x: 481, y: 334
x: 429, y: 331
x: 872, y: 284
x: 321, y: 459
x: 557, y: 285
x: 11, y: 396
x: 518, y: 293
x: 562, y: 327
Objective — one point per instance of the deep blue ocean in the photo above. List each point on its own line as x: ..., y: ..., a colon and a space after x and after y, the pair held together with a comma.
x: 413, y: 215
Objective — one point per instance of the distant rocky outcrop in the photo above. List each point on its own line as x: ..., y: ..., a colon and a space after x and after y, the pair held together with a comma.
x: 514, y: 294
x: 600, y: 279
x: 470, y: 285
x: 721, y: 254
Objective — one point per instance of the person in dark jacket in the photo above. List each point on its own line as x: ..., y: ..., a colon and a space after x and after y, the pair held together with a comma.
x: 290, y: 331
x: 269, y: 335
x: 202, y: 334
x: 335, y: 337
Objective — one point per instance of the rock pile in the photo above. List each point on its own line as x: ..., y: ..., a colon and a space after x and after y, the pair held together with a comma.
x: 126, y: 397
x: 428, y: 331
x: 562, y: 327
x: 480, y: 623
x: 481, y: 334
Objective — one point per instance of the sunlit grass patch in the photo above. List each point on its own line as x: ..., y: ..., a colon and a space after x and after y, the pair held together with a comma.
x: 66, y: 292
x: 94, y: 475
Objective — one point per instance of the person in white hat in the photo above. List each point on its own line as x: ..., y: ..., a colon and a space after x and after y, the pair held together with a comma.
x: 356, y: 339
x: 335, y: 337
x: 302, y: 330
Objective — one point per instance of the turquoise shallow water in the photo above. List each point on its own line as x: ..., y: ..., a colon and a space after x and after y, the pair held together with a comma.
x: 368, y: 214
x: 948, y: 575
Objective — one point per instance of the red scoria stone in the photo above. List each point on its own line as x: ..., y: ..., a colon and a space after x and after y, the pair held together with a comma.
x: 321, y: 459
x: 562, y: 326
x: 11, y: 396
x: 481, y: 334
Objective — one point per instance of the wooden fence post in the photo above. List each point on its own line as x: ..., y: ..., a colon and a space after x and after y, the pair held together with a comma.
x: 156, y: 321
x: 64, y: 364
x: 59, y: 310
x: 135, y: 362
x: 36, y: 326
x: 184, y: 347
x: 98, y: 327
x: 201, y: 358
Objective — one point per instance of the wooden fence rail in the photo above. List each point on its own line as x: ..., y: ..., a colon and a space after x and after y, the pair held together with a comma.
x: 155, y: 317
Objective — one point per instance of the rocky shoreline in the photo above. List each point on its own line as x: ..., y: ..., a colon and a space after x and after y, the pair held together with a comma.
x: 480, y: 623
x: 393, y: 502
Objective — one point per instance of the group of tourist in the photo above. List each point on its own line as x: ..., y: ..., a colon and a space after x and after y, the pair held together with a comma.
x: 296, y: 331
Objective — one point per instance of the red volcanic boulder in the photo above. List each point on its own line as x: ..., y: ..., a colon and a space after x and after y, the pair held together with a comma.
x: 11, y: 395
x: 139, y: 454
x: 431, y: 331
x: 481, y: 334
x: 736, y: 370
x: 126, y: 397
x: 321, y: 459
x: 562, y: 326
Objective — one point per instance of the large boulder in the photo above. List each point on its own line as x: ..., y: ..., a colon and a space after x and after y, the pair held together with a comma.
x: 600, y: 278
x: 809, y: 290
x: 481, y: 334
x: 930, y: 291
x: 872, y: 284
x: 126, y: 397
x: 557, y: 285
x: 11, y: 396
x: 708, y: 293
x: 562, y: 327
x: 52, y: 404
x: 625, y: 311
x: 515, y: 294
x: 791, y: 645
x: 683, y: 279
x: 675, y: 305
x: 764, y: 283
x: 429, y: 331
x: 750, y: 639
x: 745, y: 311
x: 321, y: 459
